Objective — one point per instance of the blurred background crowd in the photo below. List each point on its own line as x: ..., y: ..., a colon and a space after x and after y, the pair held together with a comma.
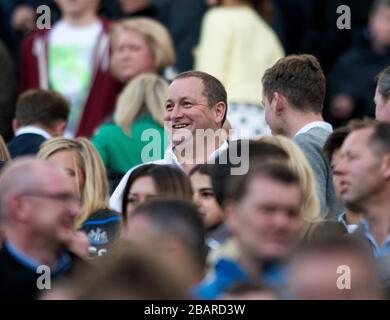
x: 280, y: 78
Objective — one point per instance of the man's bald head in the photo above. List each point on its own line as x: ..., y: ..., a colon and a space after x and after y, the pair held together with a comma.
x: 25, y: 174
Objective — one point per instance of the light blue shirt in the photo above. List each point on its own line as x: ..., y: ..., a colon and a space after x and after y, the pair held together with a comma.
x: 379, y: 251
x: 62, y: 264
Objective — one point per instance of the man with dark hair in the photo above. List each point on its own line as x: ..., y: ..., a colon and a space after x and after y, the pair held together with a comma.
x: 258, y: 152
x: 294, y: 92
x: 382, y: 96
x: 195, y: 111
x: 363, y: 169
x: 131, y: 272
x: 174, y: 227
x: 40, y: 115
x: 265, y: 216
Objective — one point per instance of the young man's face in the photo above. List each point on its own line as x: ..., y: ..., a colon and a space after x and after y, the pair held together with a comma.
x: 77, y: 7
x: 187, y: 110
x: 267, y: 220
x: 382, y: 107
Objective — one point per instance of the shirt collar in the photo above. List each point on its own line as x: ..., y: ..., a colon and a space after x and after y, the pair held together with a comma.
x: 62, y: 263
x: 170, y: 156
x: 379, y: 251
x: 321, y: 124
x: 350, y: 227
x: 35, y: 130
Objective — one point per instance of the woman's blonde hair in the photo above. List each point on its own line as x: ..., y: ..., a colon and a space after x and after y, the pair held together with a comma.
x: 4, y: 153
x: 155, y: 35
x: 301, y: 167
x: 145, y: 93
x: 95, y: 193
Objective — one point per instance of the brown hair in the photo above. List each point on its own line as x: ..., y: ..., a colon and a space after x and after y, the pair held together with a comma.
x: 275, y: 171
x: 300, y: 79
x: 169, y: 182
x: 129, y: 272
x: 41, y: 107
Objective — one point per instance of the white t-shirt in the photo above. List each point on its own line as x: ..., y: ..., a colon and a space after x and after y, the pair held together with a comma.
x: 71, y: 51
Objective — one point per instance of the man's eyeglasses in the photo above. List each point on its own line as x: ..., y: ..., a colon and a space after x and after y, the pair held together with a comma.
x: 64, y: 197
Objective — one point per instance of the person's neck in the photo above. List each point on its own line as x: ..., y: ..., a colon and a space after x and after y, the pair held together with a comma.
x: 377, y: 214
x: 81, y: 20
x: 250, y: 264
x: 44, y: 128
x: 352, y: 217
x: 41, y: 250
x: 192, y: 156
x: 233, y: 3
x: 378, y: 47
x: 297, y: 120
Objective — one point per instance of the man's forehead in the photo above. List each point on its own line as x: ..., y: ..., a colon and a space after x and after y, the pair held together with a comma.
x: 185, y: 87
x: 357, y: 139
x: 258, y: 182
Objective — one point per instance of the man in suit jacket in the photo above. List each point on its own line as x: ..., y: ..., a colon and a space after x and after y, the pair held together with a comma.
x: 40, y: 115
x: 293, y: 98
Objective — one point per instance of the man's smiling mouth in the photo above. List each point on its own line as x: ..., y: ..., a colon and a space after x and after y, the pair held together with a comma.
x: 179, y: 126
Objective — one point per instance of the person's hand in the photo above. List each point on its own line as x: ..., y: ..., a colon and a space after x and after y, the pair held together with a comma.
x: 131, y: 6
x: 78, y: 244
x: 23, y: 18
x: 342, y: 106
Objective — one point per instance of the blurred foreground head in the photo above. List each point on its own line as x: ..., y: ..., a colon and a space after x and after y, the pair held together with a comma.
x: 334, y: 268
x: 175, y: 229
x: 132, y: 272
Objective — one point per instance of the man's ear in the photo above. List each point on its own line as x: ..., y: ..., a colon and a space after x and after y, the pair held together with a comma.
x: 220, y: 110
x: 17, y: 208
x: 15, y: 125
x: 230, y: 210
x: 58, y: 129
x: 386, y: 165
x: 277, y: 103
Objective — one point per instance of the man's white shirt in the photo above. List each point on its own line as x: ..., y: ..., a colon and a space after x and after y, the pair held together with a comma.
x: 34, y: 130
x: 315, y: 124
x: 169, y: 159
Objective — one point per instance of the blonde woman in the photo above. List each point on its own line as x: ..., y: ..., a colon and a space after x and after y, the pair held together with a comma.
x: 79, y: 158
x: 237, y: 46
x: 4, y: 153
x: 139, y: 112
x: 140, y: 45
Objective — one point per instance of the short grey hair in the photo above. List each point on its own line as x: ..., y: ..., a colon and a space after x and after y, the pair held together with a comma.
x: 384, y: 83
